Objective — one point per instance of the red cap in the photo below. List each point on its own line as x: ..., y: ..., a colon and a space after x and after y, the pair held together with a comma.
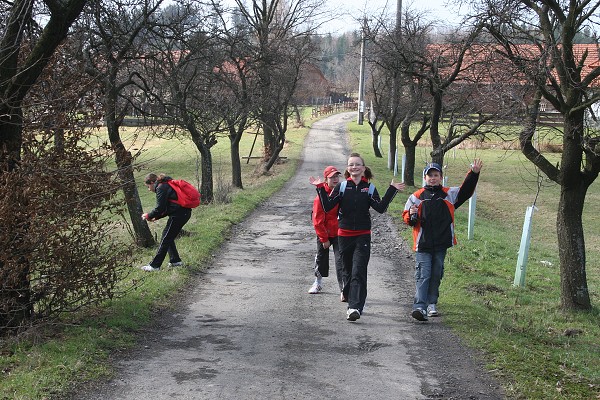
x: 330, y: 171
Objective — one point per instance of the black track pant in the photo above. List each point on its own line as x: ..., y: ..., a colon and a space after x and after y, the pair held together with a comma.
x: 174, y: 225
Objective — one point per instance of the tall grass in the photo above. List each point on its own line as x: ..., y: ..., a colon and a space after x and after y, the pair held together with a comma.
x: 535, y: 349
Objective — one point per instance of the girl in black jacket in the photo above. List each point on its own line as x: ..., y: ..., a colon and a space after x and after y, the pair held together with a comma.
x: 166, y: 207
x: 354, y: 227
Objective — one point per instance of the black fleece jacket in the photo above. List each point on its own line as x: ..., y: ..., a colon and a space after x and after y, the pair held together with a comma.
x: 354, y: 204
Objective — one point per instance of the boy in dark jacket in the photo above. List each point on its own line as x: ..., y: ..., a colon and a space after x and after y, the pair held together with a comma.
x: 430, y: 211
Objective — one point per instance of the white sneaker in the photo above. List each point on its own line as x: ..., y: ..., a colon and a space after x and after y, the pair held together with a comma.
x: 315, y: 288
x: 149, y: 268
x: 352, y: 314
x: 432, y: 311
x: 176, y: 264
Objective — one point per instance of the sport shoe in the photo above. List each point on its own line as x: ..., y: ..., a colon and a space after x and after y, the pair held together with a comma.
x: 343, y: 298
x: 315, y: 288
x: 432, y: 311
x: 352, y: 314
x: 176, y: 264
x: 419, y: 314
x: 149, y: 268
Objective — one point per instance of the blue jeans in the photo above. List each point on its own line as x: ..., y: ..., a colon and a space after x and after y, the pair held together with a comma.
x: 428, y: 275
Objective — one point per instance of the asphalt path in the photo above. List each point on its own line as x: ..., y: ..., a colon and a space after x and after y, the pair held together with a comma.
x: 248, y: 329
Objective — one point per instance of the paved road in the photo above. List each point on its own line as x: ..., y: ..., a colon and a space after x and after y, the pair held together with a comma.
x: 249, y: 330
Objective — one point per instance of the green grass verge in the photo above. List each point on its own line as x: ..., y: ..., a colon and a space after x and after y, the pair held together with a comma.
x: 537, y: 351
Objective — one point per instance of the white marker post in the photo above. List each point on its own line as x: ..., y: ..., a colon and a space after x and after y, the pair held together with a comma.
x: 471, y: 225
x: 524, y: 248
x: 403, y: 166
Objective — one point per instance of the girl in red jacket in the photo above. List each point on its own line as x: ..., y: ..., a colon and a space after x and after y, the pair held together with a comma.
x: 326, y: 227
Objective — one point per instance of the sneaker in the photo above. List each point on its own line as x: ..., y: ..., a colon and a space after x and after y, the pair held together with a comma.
x: 315, y: 288
x: 149, y: 268
x: 176, y: 264
x: 352, y: 314
x: 419, y: 314
x: 343, y: 298
x: 432, y: 311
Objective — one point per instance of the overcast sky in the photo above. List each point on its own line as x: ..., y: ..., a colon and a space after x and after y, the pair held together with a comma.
x: 353, y: 9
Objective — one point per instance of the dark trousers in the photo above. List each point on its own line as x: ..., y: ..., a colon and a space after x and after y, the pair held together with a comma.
x: 322, y: 260
x: 355, y: 252
x: 174, y: 225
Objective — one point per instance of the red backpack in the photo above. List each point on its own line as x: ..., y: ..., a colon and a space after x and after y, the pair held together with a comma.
x: 187, y: 195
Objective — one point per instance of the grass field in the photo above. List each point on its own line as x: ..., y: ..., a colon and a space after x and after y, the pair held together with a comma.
x: 536, y: 351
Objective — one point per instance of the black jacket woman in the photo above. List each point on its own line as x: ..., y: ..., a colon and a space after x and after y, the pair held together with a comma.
x: 166, y: 206
x: 354, y: 227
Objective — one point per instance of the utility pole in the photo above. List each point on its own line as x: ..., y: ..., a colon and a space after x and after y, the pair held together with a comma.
x: 361, y: 83
x: 396, y: 88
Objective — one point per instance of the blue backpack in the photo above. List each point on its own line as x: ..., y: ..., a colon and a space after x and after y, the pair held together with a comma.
x: 343, y: 188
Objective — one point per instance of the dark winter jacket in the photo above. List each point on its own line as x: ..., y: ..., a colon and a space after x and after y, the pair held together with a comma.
x: 164, y: 194
x: 354, y: 204
x: 433, y: 230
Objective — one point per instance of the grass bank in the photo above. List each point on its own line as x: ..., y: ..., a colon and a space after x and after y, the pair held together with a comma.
x: 536, y: 350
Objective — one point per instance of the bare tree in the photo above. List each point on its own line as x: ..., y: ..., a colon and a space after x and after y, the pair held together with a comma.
x: 280, y: 44
x: 58, y: 207
x: 184, y: 84
x: 111, y: 36
x: 238, y: 86
x: 539, y: 40
x: 25, y: 50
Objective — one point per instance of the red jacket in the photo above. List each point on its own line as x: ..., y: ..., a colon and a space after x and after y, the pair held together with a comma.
x: 325, y: 223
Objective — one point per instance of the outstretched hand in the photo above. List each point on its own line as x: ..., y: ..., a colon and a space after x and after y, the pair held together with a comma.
x: 476, y: 166
x: 315, y: 181
x: 399, y: 186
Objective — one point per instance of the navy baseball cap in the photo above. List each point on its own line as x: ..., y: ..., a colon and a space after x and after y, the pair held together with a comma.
x: 431, y: 166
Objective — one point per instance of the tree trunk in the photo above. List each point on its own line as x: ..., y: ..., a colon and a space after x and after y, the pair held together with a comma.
x: 268, y: 139
x: 206, y: 185
x: 236, y: 165
x: 392, y: 159
x: 569, y: 225
x: 409, y: 165
x: 437, y: 152
x: 571, y: 250
x: 275, y: 156
x: 375, y: 137
x: 123, y: 158
x: 11, y: 126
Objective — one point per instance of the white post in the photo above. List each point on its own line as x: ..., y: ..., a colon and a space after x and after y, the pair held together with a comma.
x: 471, y: 225
x: 524, y: 248
x: 403, y: 166
x: 379, y: 143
